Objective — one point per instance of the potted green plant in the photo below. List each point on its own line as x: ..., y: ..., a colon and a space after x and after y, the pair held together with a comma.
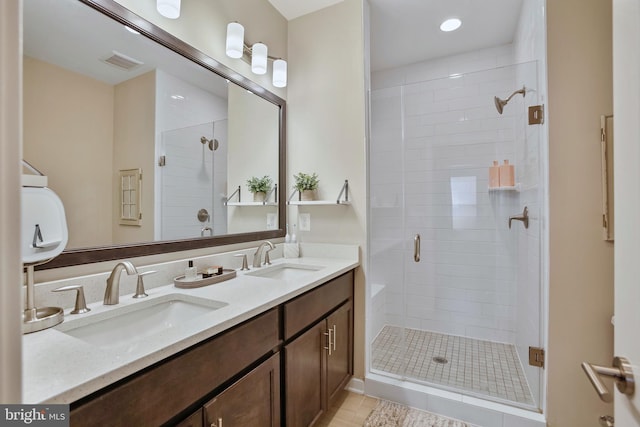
x: 306, y: 184
x: 259, y: 187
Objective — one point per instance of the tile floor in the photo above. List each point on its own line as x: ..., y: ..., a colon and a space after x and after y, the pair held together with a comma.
x: 350, y: 410
x: 482, y: 367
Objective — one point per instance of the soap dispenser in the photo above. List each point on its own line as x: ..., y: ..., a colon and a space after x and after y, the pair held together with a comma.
x: 191, y: 272
x: 291, y: 248
x: 507, y: 178
x: 494, y: 175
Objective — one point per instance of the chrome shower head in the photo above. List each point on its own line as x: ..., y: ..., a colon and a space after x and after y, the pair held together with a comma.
x: 212, y: 143
x: 500, y: 103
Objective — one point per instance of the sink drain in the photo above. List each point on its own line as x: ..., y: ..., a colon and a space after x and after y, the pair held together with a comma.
x: 441, y: 360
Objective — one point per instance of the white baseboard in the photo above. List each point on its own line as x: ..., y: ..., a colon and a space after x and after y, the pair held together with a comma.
x: 356, y: 385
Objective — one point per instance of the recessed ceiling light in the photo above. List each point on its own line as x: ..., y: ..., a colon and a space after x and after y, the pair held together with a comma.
x: 450, y: 25
x: 131, y: 30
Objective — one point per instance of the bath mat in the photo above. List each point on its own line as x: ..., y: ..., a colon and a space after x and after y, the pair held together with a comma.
x: 390, y: 414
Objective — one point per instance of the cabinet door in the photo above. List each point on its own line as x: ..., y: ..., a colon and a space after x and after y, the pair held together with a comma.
x: 339, y: 360
x: 304, y: 365
x: 254, y: 400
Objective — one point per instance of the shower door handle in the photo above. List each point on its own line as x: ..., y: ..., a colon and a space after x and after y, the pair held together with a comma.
x: 416, y: 248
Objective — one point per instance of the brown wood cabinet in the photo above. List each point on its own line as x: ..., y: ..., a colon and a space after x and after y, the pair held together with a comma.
x: 318, y: 362
x: 304, y: 376
x: 339, y: 359
x: 222, y: 379
x: 254, y: 400
x: 158, y: 394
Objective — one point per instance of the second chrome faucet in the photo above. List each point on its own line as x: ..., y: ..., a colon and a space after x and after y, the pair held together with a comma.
x: 112, y: 292
x: 257, y: 256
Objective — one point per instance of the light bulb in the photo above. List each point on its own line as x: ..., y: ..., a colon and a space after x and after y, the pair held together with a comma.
x: 259, y: 58
x: 169, y: 8
x: 450, y: 25
x: 235, y: 40
x: 279, y: 73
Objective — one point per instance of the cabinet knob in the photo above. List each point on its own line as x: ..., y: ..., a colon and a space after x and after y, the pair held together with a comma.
x: 217, y: 425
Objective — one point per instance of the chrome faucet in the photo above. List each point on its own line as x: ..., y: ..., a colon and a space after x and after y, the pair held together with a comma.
x: 257, y: 257
x: 112, y: 293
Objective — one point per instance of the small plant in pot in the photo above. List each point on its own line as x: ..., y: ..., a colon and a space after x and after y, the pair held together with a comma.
x: 259, y: 187
x: 307, y: 185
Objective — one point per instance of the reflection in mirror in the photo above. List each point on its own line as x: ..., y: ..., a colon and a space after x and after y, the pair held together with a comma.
x: 100, y: 100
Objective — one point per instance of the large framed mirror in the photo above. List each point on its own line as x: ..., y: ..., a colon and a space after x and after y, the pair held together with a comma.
x: 148, y: 142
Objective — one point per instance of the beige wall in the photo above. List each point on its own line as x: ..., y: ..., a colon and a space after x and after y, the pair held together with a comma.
x: 581, y: 263
x: 326, y: 130
x: 252, y: 151
x: 134, y: 148
x: 68, y: 135
x: 203, y: 24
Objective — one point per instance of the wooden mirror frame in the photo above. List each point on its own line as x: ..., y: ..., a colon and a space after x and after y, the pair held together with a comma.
x: 108, y: 253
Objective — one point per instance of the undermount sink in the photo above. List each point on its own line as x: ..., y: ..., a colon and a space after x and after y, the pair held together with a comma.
x: 286, y: 271
x: 128, y: 324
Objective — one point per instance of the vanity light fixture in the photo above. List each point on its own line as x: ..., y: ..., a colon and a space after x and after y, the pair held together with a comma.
x: 168, y: 8
x: 279, y: 73
x: 258, y: 52
x: 259, y: 58
x: 235, y: 40
x: 451, y: 24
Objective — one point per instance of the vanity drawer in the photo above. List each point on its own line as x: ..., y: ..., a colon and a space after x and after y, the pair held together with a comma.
x: 161, y: 392
x: 316, y: 303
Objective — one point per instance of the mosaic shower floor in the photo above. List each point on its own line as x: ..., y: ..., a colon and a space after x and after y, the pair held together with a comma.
x: 482, y: 367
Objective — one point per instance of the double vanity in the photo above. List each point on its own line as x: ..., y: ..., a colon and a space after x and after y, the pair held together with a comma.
x: 273, y: 343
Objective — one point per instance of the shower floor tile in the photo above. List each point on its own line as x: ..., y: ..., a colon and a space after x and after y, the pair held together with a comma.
x: 484, y: 367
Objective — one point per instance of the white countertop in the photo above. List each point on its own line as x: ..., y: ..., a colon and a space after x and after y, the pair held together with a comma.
x: 59, y: 368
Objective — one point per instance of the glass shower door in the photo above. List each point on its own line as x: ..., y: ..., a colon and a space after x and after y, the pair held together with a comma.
x: 387, y: 249
x: 463, y: 317
x: 187, y: 182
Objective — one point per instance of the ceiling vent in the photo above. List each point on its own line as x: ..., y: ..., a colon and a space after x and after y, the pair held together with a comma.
x: 122, y: 61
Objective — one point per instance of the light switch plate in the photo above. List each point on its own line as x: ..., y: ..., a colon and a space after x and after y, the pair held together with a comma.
x: 304, y: 221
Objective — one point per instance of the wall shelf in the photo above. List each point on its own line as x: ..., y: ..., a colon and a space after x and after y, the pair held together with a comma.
x: 513, y: 188
x: 318, y: 202
x: 266, y: 201
x: 342, y: 199
x: 251, y: 204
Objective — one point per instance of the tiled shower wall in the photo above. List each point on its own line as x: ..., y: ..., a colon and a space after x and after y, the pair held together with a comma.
x: 179, y: 199
x: 191, y: 180
x: 444, y: 134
